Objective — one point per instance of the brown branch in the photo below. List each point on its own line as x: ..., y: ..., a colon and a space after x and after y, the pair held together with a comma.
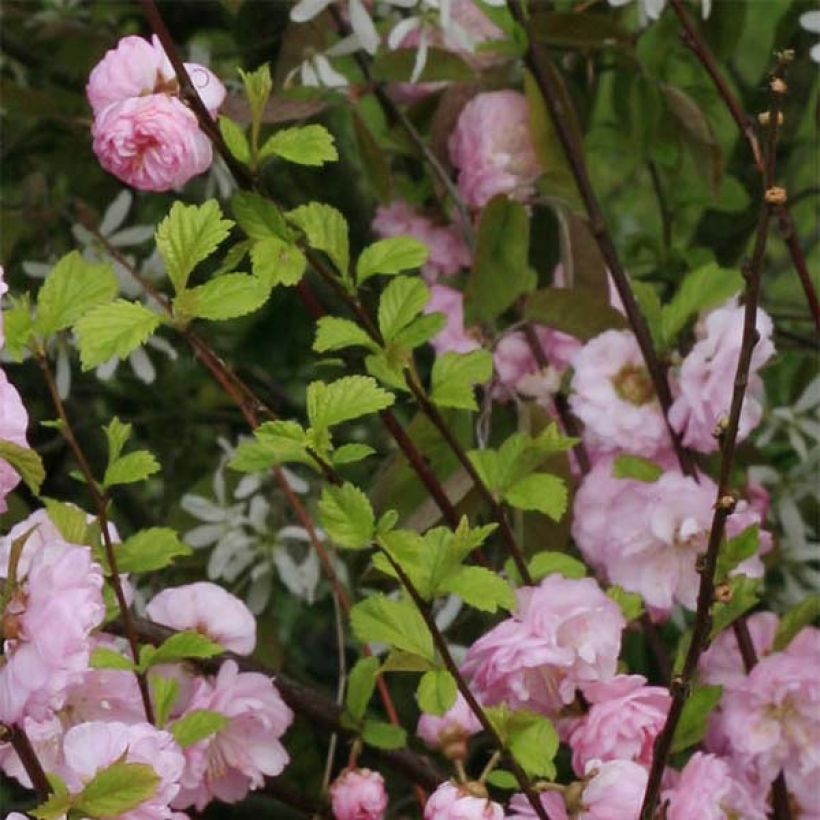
x: 19, y: 741
x: 725, y: 500
x: 540, y: 67
x: 693, y: 40
x: 100, y: 501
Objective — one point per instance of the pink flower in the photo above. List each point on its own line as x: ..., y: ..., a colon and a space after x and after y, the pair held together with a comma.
x: 451, y: 730
x: 137, y: 68
x: 706, y: 378
x: 237, y: 758
x: 448, y: 253
x: 492, y: 150
x: 47, y: 626
x: 613, y: 396
x: 453, y: 337
x: 552, y: 802
x: 152, y: 143
x: 358, y: 794
x: 4, y: 288
x: 721, y: 664
x: 622, y: 723
x: 566, y: 633
x: 209, y: 609
x: 614, y: 790
x: 706, y: 789
x: 13, y: 424
x: 91, y: 747
x: 456, y: 802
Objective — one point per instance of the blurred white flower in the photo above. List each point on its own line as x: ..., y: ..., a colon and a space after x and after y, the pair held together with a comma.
x: 810, y: 20
x: 364, y: 31
x: 651, y: 9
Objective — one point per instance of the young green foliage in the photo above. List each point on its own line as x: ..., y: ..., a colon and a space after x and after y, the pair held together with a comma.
x: 26, y: 463
x: 129, y: 468
x: 178, y: 647
x: 234, y: 136
x: 379, y: 619
x: 436, y: 692
x: 694, y: 719
x: 150, y: 550
x: 389, y: 257
x: 304, y: 145
x: 347, y: 517
x: 197, y: 725
x: 360, y: 685
x: 117, y: 789
x: 325, y: 229
x: 455, y: 376
x: 223, y: 297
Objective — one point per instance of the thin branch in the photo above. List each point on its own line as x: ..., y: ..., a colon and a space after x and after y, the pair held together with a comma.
x: 663, y: 205
x: 539, y: 66
x: 100, y: 502
x: 17, y: 737
x: 725, y: 501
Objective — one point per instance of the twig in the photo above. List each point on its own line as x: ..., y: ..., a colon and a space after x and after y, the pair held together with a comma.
x: 340, y: 690
x: 691, y: 37
x: 463, y: 687
x: 539, y: 66
x: 19, y: 741
x: 663, y: 205
x: 100, y: 501
x: 725, y: 500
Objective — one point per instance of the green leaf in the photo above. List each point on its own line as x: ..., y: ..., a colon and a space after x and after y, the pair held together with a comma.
x: 743, y: 595
x: 305, y: 145
x: 130, y: 468
x: 501, y: 271
x: 455, y: 375
x: 502, y: 779
x: 398, y: 624
x: 346, y: 515
x: 804, y: 614
x: 391, y: 256
x: 420, y: 330
x: 636, y: 467
x: 258, y: 85
x: 102, y: 658
x: 26, y: 463
x: 69, y: 520
x: 117, y: 789
x: 164, y: 694
x: 197, y: 725
x: 541, y: 492
x: 480, y: 588
x: 398, y: 661
x: 180, y: 647
x: 736, y: 550
x: 234, y: 257
x: 345, y: 399
x: 360, y: 685
x: 277, y: 262
x: 333, y: 333
x: 275, y: 442
x: 326, y: 230
x: 533, y: 743
x: 547, y: 563
x: 579, y: 313
x: 150, y: 550
x: 401, y: 301
x: 383, y: 735
x: 187, y: 236
x: 258, y: 216
x: 630, y: 603
x: 694, y: 719
x: 225, y: 297
x: 18, y: 325
x: 350, y: 454
x: 55, y: 808
x: 436, y: 692
x: 113, y: 330
x: 704, y: 288
x: 235, y: 139
x: 73, y: 287
x: 117, y: 434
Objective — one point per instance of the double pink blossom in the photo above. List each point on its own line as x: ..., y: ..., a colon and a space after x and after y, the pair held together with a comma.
x: 451, y: 801
x: 453, y: 337
x: 13, y: 424
x: 450, y: 731
x: 358, y: 794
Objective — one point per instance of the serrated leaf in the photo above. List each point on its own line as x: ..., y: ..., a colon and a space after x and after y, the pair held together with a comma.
x: 637, y: 468
x: 117, y: 789
x: 420, y: 330
x: 56, y: 807
x: 541, y: 492
x: 150, y: 550
x: 326, y: 230
x: 333, y: 333
x: 736, y: 550
x: 630, y: 603
x: 25, y: 462
x: 180, y: 647
x: 804, y: 614
x: 455, y: 376
x: 197, y: 725
x: 189, y: 235
x: 436, y: 692
x: 258, y: 85
x: 117, y: 434
x: 399, y: 661
x: 258, y: 216
x: 276, y: 262
x: 577, y: 312
x: 360, y: 685
x: 480, y: 588
x: 390, y: 256
x: 18, y: 324
x: 401, y: 301
x: 69, y: 520
x: 113, y: 330
x: 398, y: 624
x: 275, y: 442
x: 383, y: 735
x: 102, y: 658
x: 73, y: 287
x: 225, y: 297
x: 533, y: 743
x: 164, y: 694
x: 304, y: 145
x: 547, y: 563
x: 345, y: 399
x: 350, y: 454
x: 130, y: 468
x: 235, y: 139
x: 694, y: 719
x: 347, y: 517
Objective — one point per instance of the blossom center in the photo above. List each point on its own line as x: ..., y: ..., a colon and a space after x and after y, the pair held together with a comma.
x: 632, y: 384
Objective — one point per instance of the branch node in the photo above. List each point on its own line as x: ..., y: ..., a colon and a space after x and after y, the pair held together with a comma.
x: 775, y: 195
